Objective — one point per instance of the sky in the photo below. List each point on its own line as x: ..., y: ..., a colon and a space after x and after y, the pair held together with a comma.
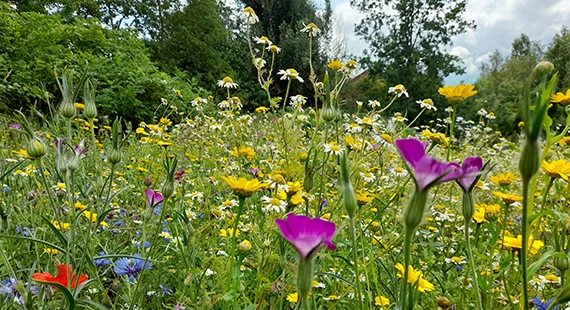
x: 498, y: 22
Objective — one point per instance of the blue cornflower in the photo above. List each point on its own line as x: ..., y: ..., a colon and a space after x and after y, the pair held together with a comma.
x: 8, y: 287
x: 542, y: 305
x: 165, y: 289
x: 131, y: 266
x: 102, y: 261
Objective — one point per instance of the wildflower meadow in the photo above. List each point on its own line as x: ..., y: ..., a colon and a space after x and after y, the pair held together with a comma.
x: 303, y: 202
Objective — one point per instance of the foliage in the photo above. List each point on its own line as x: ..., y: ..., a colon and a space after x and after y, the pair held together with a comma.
x: 407, y: 40
x: 35, y: 47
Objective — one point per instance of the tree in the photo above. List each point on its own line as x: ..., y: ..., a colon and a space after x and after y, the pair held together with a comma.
x: 407, y: 40
x: 559, y: 54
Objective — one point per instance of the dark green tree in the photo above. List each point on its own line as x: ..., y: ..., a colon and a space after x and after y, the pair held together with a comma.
x: 559, y: 54
x: 407, y: 40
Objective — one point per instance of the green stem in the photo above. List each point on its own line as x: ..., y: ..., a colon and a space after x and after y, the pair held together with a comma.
x: 286, y: 94
x: 453, y: 117
x: 524, y: 246
x: 358, y: 296
x: 404, y: 285
x: 235, y: 283
x: 472, y: 264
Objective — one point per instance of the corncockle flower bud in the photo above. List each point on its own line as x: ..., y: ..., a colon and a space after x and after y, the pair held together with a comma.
x: 168, y: 189
x: 114, y: 157
x: 561, y: 261
x: 350, y: 203
x: 328, y: 114
x: 530, y: 159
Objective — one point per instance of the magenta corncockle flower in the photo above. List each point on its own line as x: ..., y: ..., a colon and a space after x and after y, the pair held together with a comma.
x: 152, y: 198
x: 469, y: 171
x: 427, y: 170
x: 307, y: 235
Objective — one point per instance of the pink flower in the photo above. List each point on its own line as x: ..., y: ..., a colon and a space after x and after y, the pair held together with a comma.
x: 427, y: 170
x: 152, y: 198
x: 307, y: 235
x: 469, y: 172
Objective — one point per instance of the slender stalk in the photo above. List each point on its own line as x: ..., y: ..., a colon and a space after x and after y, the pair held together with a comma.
x: 235, y: 263
x: 286, y: 94
x: 358, y: 296
x: 453, y: 117
x: 524, y: 245
x: 404, y: 285
x: 472, y: 264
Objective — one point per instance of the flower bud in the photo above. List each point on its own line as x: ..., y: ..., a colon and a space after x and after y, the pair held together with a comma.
x: 491, y: 216
x: 328, y: 114
x: 168, y: 189
x: 530, y: 160
x: 542, y: 68
x: 67, y: 109
x: 244, y: 247
x: 36, y: 148
x: 115, y: 157
x: 304, y: 279
x: 562, y: 263
x: 147, y: 181
x: 90, y: 111
x: 308, y: 182
x: 375, y: 226
x: 73, y: 163
x: 443, y: 302
x: 350, y: 203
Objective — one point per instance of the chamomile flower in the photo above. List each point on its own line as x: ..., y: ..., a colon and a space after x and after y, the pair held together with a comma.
x: 427, y: 104
x: 273, y: 204
x: 248, y: 15
x: 333, y: 148
x: 298, y: 101
x: 262, y: 40
x: 374, y: 103
x: 311, y: 29
x: 227, y: 82
x: 398, y: 90
x: 274, y: 49
x: 290, y: 74
x: 368, y: 177
x: 259, y: 63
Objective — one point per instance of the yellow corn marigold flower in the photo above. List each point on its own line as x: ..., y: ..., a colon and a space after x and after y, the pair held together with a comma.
x: 335, y: 65
x: 80, y: 106
x: 293, y: 298
x: 229, y: 232
x: 381, y: 301
x: 243, y: 151
x: 51, y: 251
x: 416, y: 278
x: 457, y: 94
x: 262, y: 110
x: 504, y: 179
x: 508, y: 198
x: 556, y: 169
x: 479, y: 215
x: 516, y: 244
x: 61, y: 225
x: 562, y: 98
x: 243, y: 187
x: 363, y: 197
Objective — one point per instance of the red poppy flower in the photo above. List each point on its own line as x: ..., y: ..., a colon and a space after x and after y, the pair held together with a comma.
x: 64, y: 274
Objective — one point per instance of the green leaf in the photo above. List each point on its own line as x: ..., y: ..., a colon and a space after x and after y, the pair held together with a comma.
x: 533, y: 268
x: 66, y: 293
x: 51, y: 245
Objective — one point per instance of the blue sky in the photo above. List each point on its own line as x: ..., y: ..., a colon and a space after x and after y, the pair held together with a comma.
x: 499, y: 22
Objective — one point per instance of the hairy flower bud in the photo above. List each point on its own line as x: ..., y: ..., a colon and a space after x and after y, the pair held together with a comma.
x: 167, y: 189
x: 328, y: 114
x: 350, y: 203
x: 530, y: 160
x: 90, y: 111
x: 414, y: 213
x: 36, y: 148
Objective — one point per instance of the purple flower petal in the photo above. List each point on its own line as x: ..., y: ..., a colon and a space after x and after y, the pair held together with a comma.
x: 307, y: 235
x: 469, y: 171
x: 152, y: 198
x: 412, y: 150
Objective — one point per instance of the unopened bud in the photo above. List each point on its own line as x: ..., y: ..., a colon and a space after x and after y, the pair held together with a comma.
x: 308, y: 182
x: 443, y: 303
x: 350, y: 203
x: 90, y: 110
x: 414, y: 213
x: 73, y: 163
x: 328, y: 114
x: 375, y: 226
x: 114, y: 157
x: 562, y: 263
x: 168, y: 189
x: 530, y: 160
x: 244, y: 247
x: 36, y: 148
x: 542, y: 68
x: 147, y: 181
x: 67, y: 109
